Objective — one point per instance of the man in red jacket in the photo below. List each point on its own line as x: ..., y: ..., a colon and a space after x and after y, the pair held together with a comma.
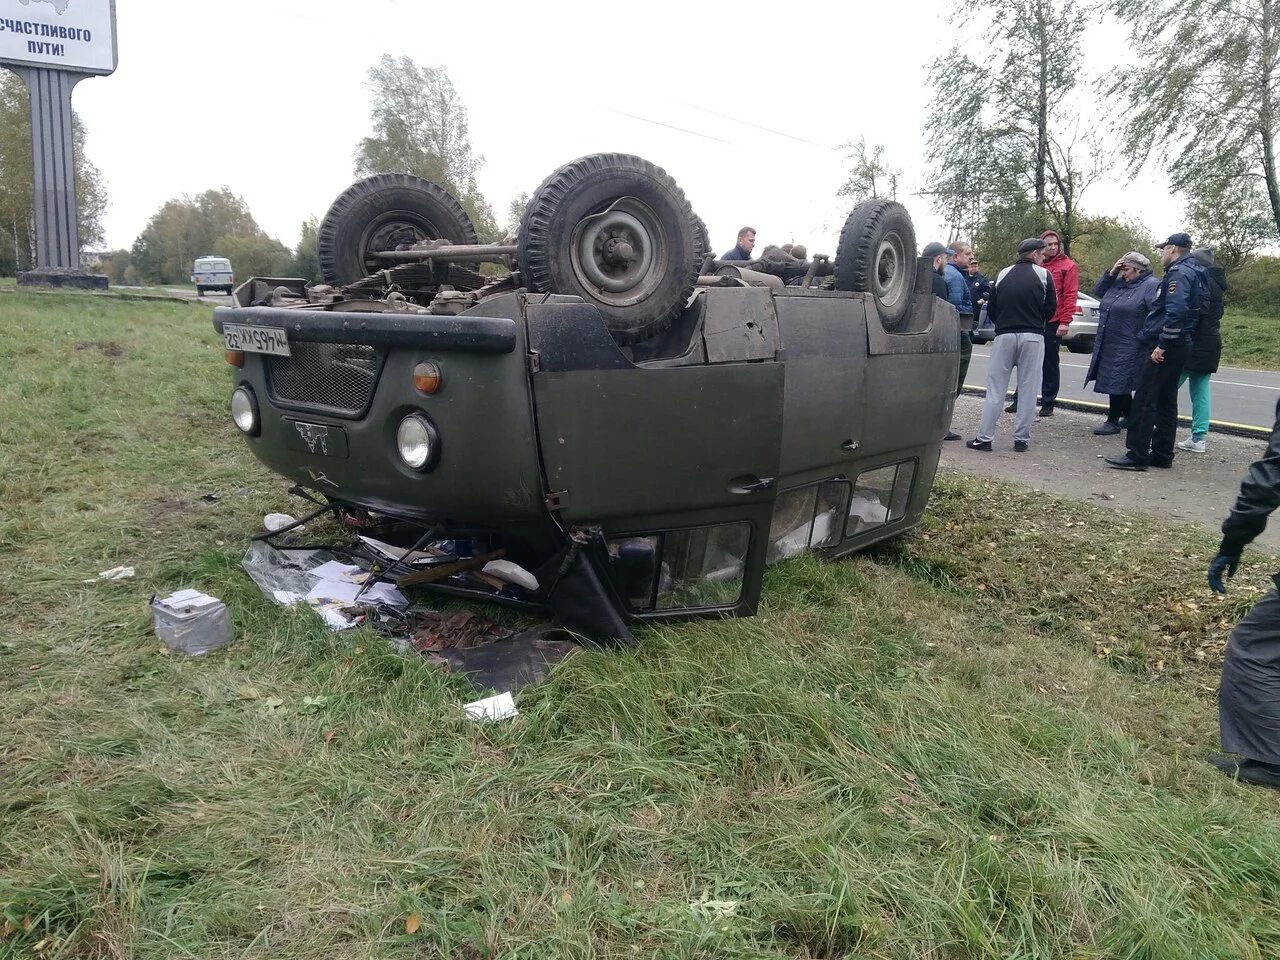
x: 1066, y: 284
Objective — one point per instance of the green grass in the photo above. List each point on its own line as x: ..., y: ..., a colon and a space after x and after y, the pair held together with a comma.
x: 984, y: 740
x: 1250, y: 339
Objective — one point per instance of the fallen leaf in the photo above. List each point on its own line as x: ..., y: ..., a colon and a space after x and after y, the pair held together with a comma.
x: 412, y: 923
x: 566, y: 896
x: 330, y: 734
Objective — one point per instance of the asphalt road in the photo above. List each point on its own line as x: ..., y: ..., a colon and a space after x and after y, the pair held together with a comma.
x: 1246, y: 397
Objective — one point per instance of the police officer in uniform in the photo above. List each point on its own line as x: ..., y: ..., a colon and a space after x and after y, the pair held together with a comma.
x: 1166, y: 339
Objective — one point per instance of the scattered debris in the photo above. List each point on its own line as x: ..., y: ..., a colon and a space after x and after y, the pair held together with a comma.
x: 509, y: 572
x: 277, y: 521
x: 210, y: 498
x: 458, y: 631
x: 191, y: 622
x: 501, y: 706
x: 115, y: 573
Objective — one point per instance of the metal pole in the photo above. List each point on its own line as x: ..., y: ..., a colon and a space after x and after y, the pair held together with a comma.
x: 53, y: 159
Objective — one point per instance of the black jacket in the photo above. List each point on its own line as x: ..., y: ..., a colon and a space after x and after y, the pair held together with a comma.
x: 1022, y: 299
x: 1206, y: 342
x: 939, y: 286
x: 1259, y: 495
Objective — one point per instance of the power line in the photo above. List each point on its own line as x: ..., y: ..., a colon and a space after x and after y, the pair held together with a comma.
x: 659, y: 123
x: 748, y: 123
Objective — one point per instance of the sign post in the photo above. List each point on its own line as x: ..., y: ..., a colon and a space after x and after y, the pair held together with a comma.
x: 53, y: 45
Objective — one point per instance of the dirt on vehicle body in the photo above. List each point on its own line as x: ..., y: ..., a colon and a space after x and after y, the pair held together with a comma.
x: 643, y: 427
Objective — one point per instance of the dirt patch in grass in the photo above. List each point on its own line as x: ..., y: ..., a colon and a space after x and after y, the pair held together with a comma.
x: 108, y: 348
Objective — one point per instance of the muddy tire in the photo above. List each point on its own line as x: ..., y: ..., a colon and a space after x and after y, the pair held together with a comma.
x: 383, y: 213
x: 877, y: 255
x: 618, y: 232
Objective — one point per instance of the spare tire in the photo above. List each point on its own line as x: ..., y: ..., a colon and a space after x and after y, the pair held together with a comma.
x: 618, y: 232
x: 877, y: 255
x: 384, y: 212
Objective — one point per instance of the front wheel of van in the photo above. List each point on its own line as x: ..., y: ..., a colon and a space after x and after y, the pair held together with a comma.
x: 877, y: 255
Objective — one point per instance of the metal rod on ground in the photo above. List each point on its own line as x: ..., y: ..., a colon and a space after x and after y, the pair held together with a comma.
x: 327, y: 508
x: 457, y: 252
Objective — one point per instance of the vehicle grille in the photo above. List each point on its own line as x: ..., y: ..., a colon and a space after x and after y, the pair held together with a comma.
x: 338, y: 377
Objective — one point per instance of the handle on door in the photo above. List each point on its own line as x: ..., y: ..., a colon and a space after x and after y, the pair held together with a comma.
x: 742, y: 486
x: 849, y: 446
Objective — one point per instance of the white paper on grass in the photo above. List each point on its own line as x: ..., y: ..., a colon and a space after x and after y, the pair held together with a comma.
x: 501, y: 706
x: 187, y: 600
x: 287, y: 598
x: 343, y: 591
x: 333, y: 570
x: 334, y: 619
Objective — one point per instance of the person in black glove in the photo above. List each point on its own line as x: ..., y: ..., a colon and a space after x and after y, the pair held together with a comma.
x: 1249, y: 700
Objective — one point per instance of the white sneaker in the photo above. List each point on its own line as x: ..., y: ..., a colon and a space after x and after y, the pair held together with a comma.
x: 1192, y: 445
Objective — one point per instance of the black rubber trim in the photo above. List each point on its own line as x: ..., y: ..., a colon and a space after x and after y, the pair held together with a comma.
x: 468, y: 334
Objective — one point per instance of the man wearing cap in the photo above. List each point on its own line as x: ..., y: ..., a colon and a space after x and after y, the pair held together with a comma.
x: 1066, y: 287
x: 1023, y: 300
x: 1165, y: 339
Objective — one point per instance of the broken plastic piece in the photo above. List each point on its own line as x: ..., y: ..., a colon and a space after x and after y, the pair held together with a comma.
x: 509, y: 572
x: 115, y: 573
x: 277, y: 521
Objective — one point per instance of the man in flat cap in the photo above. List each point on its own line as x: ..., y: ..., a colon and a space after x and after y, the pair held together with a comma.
x: 1165, y: 339
x: 1023, y: 300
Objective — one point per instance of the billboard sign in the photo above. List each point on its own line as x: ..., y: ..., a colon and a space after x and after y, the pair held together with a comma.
x: 74, y: 35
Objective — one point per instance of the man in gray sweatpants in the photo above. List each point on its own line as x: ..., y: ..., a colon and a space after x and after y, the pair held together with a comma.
x: 1022, y: 302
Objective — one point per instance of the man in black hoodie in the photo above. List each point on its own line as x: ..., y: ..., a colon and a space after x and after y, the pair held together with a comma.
x: 1206, y: 351
x: 1022, y: 301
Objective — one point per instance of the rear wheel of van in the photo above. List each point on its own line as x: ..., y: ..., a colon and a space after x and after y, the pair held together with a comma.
x: 618, y: 232
x: 199, y: 290
x: 877, y: 255
x: 387, y: 212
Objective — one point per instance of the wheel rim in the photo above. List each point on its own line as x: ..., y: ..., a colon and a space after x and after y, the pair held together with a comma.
x: 620, y: 253
x: 393, y: 231
x: 889, y: 280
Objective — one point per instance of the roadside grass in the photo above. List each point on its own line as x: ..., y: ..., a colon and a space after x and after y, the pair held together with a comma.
x: 1250, y: 339
x: 984, y: 739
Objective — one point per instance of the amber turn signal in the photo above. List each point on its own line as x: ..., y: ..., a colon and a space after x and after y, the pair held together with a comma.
x: 234, y: 357
x: 426, y: 376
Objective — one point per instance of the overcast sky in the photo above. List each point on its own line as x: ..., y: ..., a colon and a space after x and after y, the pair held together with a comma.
x: 745, y: 104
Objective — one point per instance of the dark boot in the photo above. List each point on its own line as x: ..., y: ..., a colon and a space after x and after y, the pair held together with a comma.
x: 1248, y: 771
x: 1107, y: 429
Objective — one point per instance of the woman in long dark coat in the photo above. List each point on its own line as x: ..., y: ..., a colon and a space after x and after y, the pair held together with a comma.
x: 1126, y: 293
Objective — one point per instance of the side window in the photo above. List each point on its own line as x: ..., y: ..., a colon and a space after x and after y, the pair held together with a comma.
x: 807, y: 517
x: 880, y: 496
x: 681, y: 569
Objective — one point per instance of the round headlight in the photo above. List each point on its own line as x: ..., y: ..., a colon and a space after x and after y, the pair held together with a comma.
x: 416, y: 440
x: 244, y: 410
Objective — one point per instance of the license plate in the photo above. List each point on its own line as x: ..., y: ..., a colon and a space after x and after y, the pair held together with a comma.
x: 255, y: 339
x: 319, y: 439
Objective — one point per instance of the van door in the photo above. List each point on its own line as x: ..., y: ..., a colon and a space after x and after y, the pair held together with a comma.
x: 678, y: 465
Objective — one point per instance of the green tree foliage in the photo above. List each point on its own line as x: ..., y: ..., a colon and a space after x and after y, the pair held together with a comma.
x: 115, y: 265
x: 215, y: 223
x: 1101, y: 241
x: 1205, y: 92
x: 306, y: 260
x: 17, y: 203
x: 1002, y: 136
x: 870, y: 175
x: 420, y: 127
x: 515, y: 212
x: 1230, y: 215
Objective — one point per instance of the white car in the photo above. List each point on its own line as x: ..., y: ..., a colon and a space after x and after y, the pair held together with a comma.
x: 1080, y: 335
